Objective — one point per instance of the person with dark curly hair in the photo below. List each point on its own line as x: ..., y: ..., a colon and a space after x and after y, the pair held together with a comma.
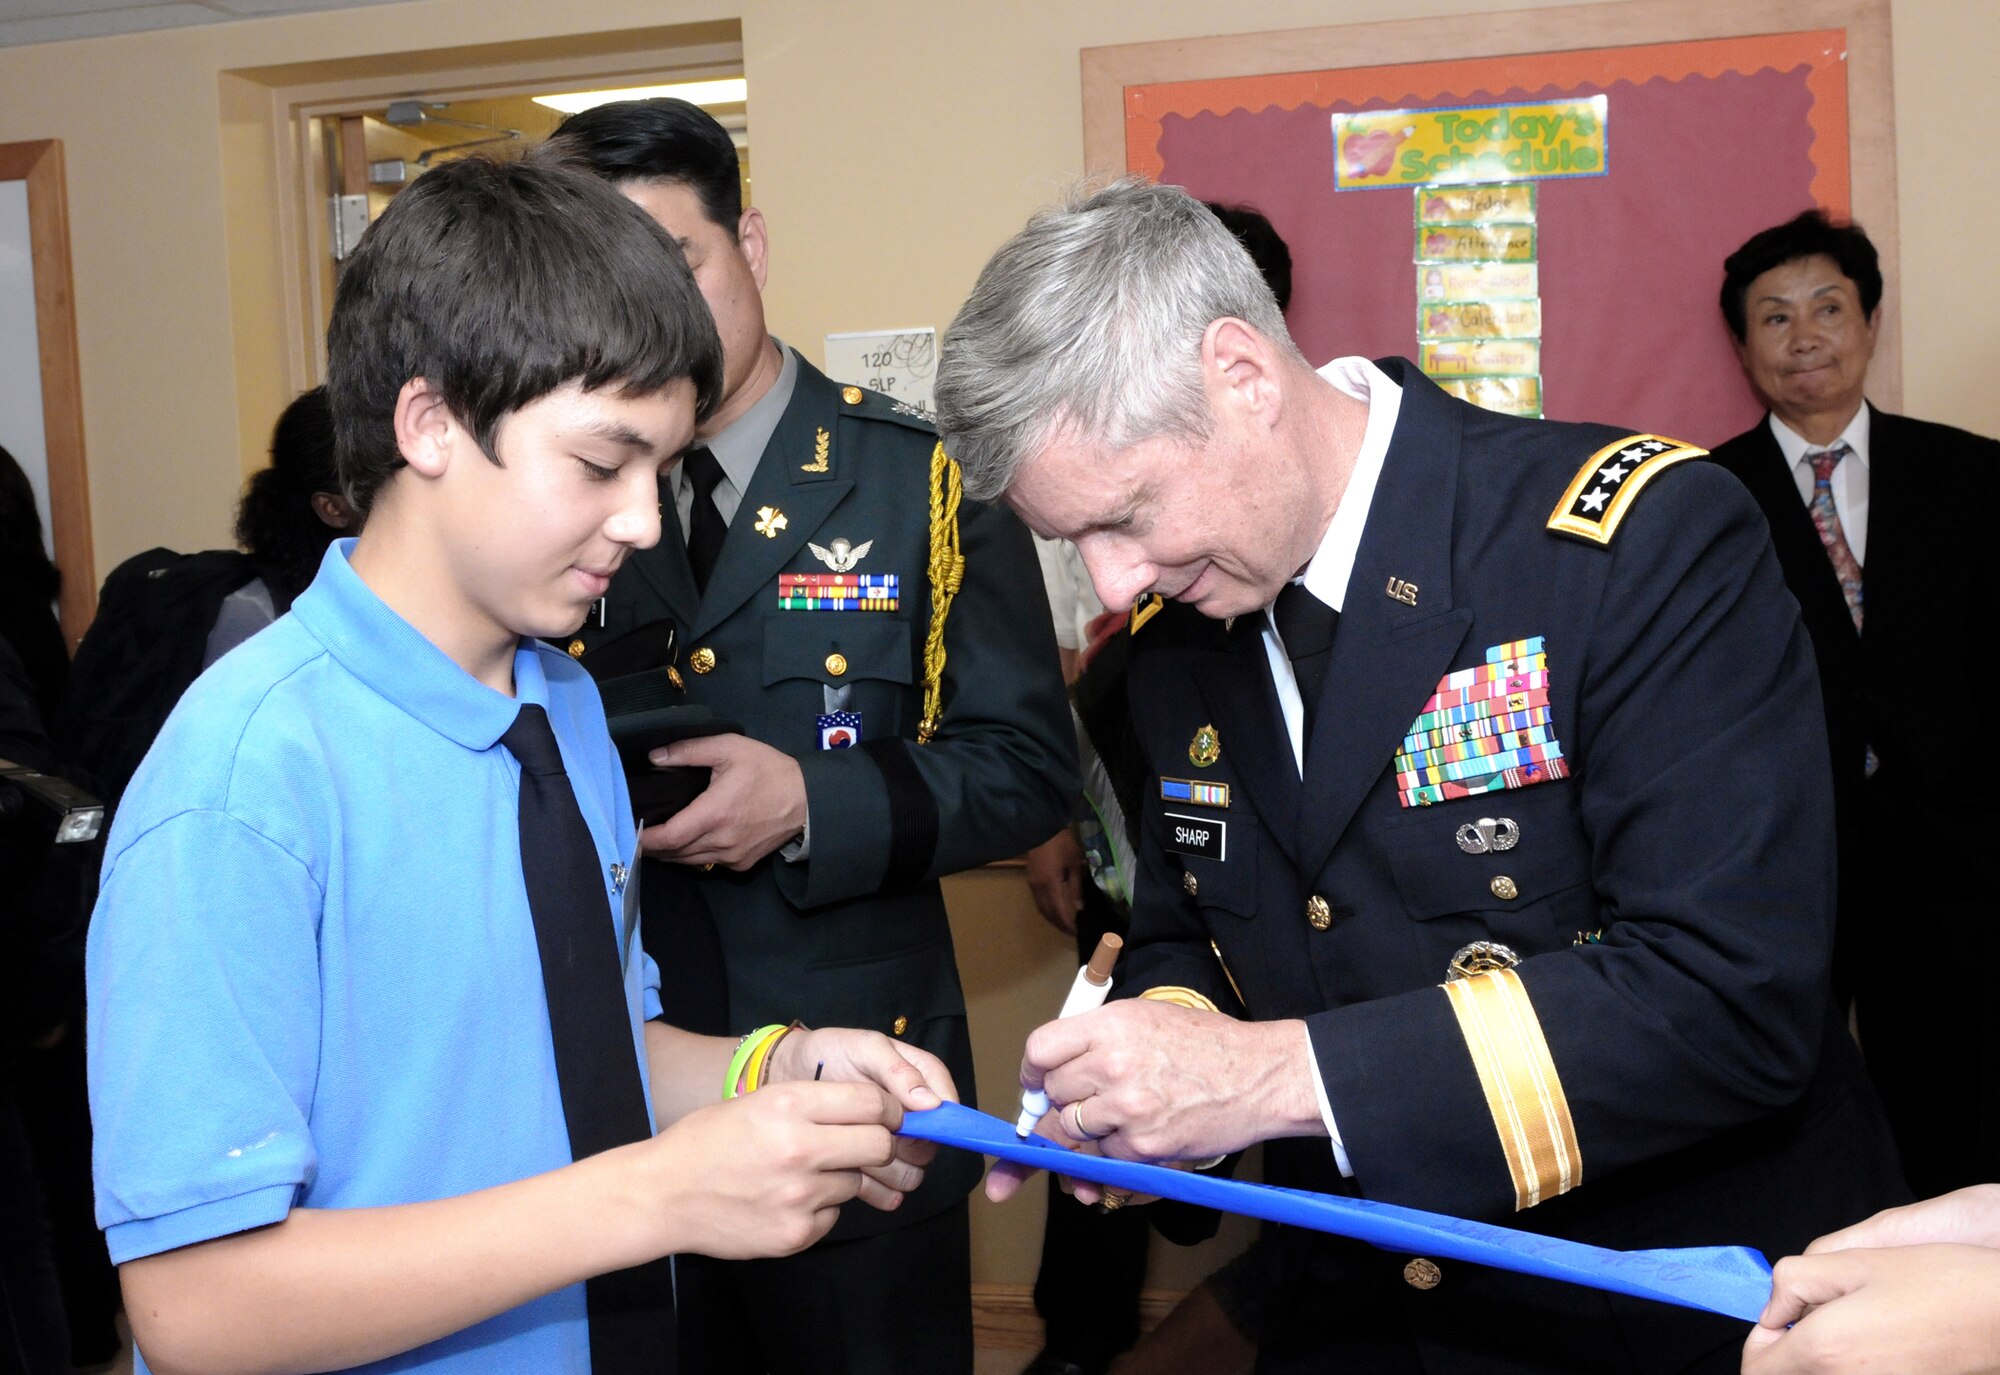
x: 290, y: 512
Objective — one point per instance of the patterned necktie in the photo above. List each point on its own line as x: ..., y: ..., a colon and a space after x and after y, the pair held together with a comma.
x: 1845, y: 566
x: 597, y: 1068
x: 706, y: 527
x: 1306, y: 625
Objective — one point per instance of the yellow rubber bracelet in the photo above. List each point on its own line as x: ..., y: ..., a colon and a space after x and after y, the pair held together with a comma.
x: 745, y: 1048
x: 753, y: 1073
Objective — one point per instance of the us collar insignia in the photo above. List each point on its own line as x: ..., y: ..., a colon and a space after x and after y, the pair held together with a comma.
x: 770, y: 520
x: 841, y: 556
x: 822, y: 441
x: 1205, y: 748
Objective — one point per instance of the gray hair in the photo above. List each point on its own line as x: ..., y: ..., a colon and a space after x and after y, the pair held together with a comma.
x: 1089, y: 322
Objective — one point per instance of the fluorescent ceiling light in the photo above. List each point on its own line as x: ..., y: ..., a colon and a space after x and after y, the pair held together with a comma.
x: 731, y: 91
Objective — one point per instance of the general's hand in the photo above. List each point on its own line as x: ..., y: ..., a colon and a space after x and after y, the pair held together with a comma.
x: 1158, y: 1082
x: 755, y: 802
x: 1056, y: 875
x: 1966, y: 1216
x: 765, y: 1174
x: 1934, y: 1309
x: 913, y: 1079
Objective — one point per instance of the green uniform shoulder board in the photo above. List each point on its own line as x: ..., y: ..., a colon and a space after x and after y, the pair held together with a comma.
x: 1610, y: 480
x: 873, y: 405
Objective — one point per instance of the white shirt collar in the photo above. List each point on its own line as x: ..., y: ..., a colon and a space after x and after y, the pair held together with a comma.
x: 1327, y: 574
x: 1796, y: 446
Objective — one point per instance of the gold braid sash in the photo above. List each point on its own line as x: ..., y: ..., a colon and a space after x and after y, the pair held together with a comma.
x: 947, y: 573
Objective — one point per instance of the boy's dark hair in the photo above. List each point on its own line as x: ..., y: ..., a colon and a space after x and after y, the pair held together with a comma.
x: 1266, y: 247
x: 275, y: 522
x: 1808, y: 235
x: 656, y: 140
x: 499, y: 283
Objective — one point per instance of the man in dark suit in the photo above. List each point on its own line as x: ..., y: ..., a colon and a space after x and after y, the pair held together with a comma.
x: 1475, y: 782
x: 887, y: 653
x: 1846, y: 488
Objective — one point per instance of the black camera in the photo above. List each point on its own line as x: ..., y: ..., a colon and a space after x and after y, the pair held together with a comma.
x: 51, y: 809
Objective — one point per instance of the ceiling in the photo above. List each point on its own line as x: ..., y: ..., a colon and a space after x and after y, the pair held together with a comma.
x: 48, y: 21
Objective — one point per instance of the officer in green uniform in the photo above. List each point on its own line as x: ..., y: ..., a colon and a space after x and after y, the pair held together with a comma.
x: 887, y: 652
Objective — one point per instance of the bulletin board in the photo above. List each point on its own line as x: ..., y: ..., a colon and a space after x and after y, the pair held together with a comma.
x: 41, y: 404
x: 1720, y: 121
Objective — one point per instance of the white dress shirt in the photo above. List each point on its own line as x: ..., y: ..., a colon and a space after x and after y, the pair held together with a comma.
x: 1849, y: 480
x: 1326, y: 577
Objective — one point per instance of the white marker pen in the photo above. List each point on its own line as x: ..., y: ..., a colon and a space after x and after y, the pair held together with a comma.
x: 1093, y: 983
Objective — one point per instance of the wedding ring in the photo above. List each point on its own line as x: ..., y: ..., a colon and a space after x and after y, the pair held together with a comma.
x: 1082, y: 1133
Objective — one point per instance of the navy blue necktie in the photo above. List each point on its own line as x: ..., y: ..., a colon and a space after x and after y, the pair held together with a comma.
x: 597, y: 1067
x: 1306, y: 625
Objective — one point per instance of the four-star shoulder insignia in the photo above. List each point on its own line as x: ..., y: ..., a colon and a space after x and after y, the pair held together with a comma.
x: 1611, y: 480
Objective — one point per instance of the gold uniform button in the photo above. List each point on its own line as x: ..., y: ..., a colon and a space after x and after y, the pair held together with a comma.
x: 1190, y: 885
x: 1505, y: 889
x: 1318, y: 914
x: 836, y: 664
x: 674, y: 677
x: 900, y: 1025
x: 702, y: 660
x: 576, y: 649
x: 851, y: 395
x: 1422, y: 1274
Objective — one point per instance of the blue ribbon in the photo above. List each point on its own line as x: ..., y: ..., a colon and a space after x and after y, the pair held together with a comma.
x: 1734, y: 1281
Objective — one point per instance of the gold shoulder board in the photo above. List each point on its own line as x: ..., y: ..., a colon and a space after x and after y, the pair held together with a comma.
x: 1610, y: 480
x: 1145, y: 609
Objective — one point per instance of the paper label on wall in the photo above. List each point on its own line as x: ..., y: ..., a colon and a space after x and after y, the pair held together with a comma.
x: 1479, y: 282
x: 1510, y: 204
x: 1480, y: 320
x: 1508, y: 395
x: 1470, y: 145
x: 1448, y: 243
x: 1481, y: 358
x: 899, y: 363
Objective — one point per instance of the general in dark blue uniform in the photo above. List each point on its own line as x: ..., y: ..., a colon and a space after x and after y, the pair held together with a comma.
x: 1522, y: 883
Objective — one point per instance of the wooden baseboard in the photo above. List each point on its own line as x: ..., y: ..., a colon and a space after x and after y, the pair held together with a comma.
x: 1004, y: 1317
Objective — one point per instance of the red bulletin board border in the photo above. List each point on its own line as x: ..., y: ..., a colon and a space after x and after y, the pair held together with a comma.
x: 1462, y: 81
x: 1191, y: 73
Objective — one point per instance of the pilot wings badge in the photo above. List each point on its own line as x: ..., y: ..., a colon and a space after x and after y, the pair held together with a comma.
x: 841, y: 556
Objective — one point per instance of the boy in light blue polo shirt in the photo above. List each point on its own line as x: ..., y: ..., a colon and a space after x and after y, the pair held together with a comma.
x: 327, y: 1071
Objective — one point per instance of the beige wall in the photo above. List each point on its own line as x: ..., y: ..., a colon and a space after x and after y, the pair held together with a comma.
x: 897, y: 143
